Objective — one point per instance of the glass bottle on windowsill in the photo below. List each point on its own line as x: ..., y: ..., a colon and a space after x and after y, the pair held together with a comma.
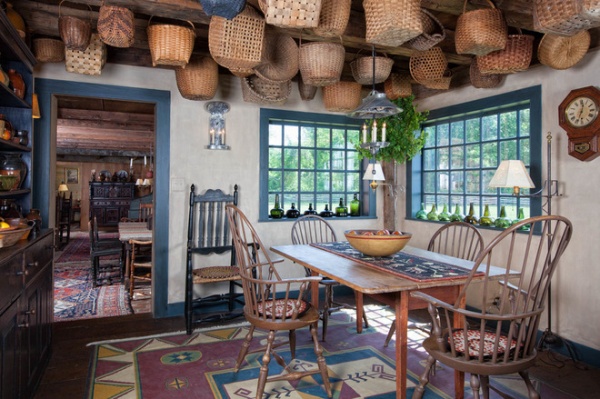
x: 292, y: 213
x: 486, y: 219
x: 341, y: 210
x: 471, y: 218
x: 502, y: 222
x: 326, y: 213
x: 433, y: 215
x: 355, y: 206
x: 421, y: 214
x: 457, y: 216
x: 310, y: 210
x: 444, y: 216
x: 276, y: 212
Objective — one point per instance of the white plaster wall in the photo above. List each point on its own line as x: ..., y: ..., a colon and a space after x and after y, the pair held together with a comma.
x: 193, y: 164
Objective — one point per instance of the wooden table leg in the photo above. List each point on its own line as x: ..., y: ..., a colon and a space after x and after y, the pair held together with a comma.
x: 401, y: 310
x: 459, y: 376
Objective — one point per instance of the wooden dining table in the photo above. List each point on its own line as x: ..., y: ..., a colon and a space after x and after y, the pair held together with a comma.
x: 132, y: 231
x: 390, y: 289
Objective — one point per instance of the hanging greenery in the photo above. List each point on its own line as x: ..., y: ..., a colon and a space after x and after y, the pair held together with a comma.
x: 404, y: 133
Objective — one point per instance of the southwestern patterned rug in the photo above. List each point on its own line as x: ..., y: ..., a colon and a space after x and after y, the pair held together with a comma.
x: 76, y: 298
x: 201, y: 365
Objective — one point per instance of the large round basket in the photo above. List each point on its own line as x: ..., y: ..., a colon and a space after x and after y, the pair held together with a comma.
x: 342, y: 96
x: 260, y: 91
x: 480, y: 32
x: 397, y: 86
x: 49, y: 50
x: 562, y: 52
x: 515, y: 57
x: 321, y: 63
x: 333, y: 18
x: 392, y: 22
x: 199, y: 80
x: 74, y: 32
x: 171, y: 44
x: 428, y: 65
x: 279, y: 57
x: 116, y: 26
x: 363, y: 70
x: 565, y: 18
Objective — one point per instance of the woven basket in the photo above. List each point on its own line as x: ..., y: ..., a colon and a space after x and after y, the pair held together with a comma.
x: 237, y: 44
x: 515, y: 57
x: 362, y: 69
x: 241, y: 72
x: 480, y: 32
x: 442, y: 83
x: 333, y: 18
x: 116, y: 26
x: 88, y: 62
x: 291, y: 13
x: 260, y: 91
x: 392, y: 22
x: 279, y: 57
x: 171, y: 44
x: 49, y: 50
x: 227, y: 9
x: 562, y: 52
x: 341, y: 96
x: 397, y: 85
x: 428, y: 65
x: 565, y: 17
x: 480, y: 81
x: 433, y: 32
x: 199, y: 80
x: 321, y: 63
x: 307, y: 92
x: 74, y: 32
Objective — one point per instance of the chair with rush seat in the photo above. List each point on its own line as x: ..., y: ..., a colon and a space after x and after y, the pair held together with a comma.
x: 140, y: 269
x: 310, y: 229
x: 272, y: 305
x: 208, y: 234
x: 504, y: 341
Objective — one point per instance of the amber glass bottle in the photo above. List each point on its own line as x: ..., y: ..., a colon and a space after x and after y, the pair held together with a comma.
x: 471, y: 218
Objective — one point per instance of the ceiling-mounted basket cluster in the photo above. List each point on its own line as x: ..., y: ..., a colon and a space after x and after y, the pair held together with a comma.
x: 116, y: 26
x: 199, y: 80
x: 260, y: 91
x: 342, y: 96
x: 392, y: 22
x: 89, y: 61
x: 74, y: 32
x: 515, y: 57
x: 171, y: 44
x: 563, y: 52
x: 565, y: 17
x: 365, y: 73
x: 481, y: 81
x: 481, y: 31
x: 49, y: 50
x: 397, y: 85
x: 321, y: 63
x: 429, y: 68
x: 279, y: 61
x: 333, y: 18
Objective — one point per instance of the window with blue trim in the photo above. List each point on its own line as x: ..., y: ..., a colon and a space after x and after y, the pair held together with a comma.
x: 309, y: 158
x: 466, y: 143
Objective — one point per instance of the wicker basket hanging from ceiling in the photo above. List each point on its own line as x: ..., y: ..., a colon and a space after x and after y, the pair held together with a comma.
x: 307, y: 92
x: 87, y: 62
x: 480, y: 32
x: 199, y: 80
x: 237, y: 44
x: 515, y: 57
x: 74, y: 32
x: 279, y: 57
x: 363, y: 70
x: 392, y: 22
x: 260, y: 91
x: 291, y: 13
x: 49, y: 50
x: 441, y: 83
x: 565, y: 17
x: 342, y: 96
x: 116, y: 26
x: 433, y: 32
x: 321, y: 63
x: 333, y: 18
x: 480, y: 81
x: 428, y: 65
x: 227, y: 9
x: 171, y: 44
x: 563, y: 52
x: 397, y: 85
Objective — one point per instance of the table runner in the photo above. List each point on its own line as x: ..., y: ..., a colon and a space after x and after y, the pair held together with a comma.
x: 405, y: 265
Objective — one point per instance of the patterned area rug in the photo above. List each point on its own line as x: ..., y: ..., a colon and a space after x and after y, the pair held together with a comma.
x: 75, y: 297
x: 78, y: 249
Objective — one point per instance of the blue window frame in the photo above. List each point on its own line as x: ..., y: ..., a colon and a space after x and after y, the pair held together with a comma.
x: 465, y: 145
x: 310, y: 158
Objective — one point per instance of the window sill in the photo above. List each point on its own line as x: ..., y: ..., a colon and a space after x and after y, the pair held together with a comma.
x: 329, y: 219
x: 491, y: 228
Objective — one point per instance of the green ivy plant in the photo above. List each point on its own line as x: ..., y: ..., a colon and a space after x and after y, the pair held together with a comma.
x: 403, y: 132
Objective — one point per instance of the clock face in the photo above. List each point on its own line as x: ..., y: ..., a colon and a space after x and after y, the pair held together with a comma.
x: 581, y: 111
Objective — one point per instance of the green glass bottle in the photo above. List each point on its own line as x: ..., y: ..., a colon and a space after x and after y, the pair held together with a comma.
x: 471, y: 218
x: 432, y: 215
x: 502, y: 222
x: 276, y: 212
x: 457, y: 216
x: 355, y: 206
x: 341, y: 210
x: 444, y: 216
x: 421, y: 214
x: 486, y: 219
x: 521, y: 216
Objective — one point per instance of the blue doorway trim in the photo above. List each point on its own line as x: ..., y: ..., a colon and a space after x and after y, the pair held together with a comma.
x: 44, y: 153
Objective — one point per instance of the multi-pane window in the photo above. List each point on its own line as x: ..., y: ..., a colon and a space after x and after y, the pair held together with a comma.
x: 308, y: 159
x: 466, y: 143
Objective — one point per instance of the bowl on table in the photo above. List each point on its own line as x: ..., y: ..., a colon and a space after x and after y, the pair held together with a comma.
x: 377, y: 242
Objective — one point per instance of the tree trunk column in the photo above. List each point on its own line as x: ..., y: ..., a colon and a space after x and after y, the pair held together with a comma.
x: 389, y: 200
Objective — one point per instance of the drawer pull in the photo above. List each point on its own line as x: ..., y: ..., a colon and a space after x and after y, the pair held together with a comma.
x: 30, y: 312
x: 24, y: 325
x: 33, y: 264
x: 23, y: 273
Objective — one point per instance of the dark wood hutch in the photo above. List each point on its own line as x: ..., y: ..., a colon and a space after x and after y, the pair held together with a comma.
x: 110, y: 201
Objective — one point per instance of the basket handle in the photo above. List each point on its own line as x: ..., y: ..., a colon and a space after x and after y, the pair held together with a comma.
x: 489, y: 2
x: 189, y: 22
x: 62, y: 1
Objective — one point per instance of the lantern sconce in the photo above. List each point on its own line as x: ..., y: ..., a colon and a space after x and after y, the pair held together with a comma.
x: 216, y: 125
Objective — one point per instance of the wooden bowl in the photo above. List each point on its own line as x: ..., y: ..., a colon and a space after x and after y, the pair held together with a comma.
x: 369, y: 242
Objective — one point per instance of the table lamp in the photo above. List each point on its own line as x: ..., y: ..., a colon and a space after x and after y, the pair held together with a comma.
x: 512, y: 173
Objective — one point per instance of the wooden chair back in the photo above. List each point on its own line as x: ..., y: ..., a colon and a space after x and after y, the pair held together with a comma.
x: 146, y: 211
x: 459, y: 239
x: 310, y: 229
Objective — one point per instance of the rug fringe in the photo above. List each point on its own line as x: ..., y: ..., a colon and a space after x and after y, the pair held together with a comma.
x: 168, y: 334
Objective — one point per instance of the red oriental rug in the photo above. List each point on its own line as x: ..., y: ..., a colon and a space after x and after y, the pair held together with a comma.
x: 78, y: 249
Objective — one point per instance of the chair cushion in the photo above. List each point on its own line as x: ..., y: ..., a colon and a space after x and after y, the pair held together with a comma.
x: 266, y: 308
x: 474, y: 339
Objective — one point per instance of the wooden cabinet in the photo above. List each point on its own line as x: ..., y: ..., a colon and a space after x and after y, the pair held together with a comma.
x: 14, y: 54
x: 26, y: 314
x: 110, y: 201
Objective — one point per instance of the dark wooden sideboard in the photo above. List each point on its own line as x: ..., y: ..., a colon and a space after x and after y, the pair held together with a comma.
x: 110, y: 201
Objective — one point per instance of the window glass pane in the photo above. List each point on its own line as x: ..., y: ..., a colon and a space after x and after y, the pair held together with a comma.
x: 307, y: 136
x: 443, y: 159
x: 323, y: 138
x: 430, y: 140
x: 473, y: 132
x: 353, y: 138
x: 473, y: 181
x: 508, y: 150
x: 274, y: 181
x: 473, y: 156
x: 353, y: 183
x: 290, y: 158
x: 443, y: 180
x: 275, y: 158
x: 322, y: 200
x: 457, y: 182
x: 338, y: 139
x: 290, y: 134
x: 443, y: 133
x: 337, y: 161
x: 490, y: 155
x: 322, y: 159
x: 275, y: 137
x: 525, y: 151
x: 337, y: 180
x: 290, y: 181
x: 457, y: 132
x: 524, y: 119
x: 489, y: 126
x: 508, y: 124
x: 307, y: 181
x: 353, y: 163
x: 428, y: 159
x: 429, y: 182
x: 458, y: 157
x: 487, y: 176
x: 288, y: 200
x: 307, y: 159
x: 323, y: 181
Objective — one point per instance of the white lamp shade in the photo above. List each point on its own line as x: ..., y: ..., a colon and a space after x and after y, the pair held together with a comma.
x: 374, y: 172
x: 511, y: 173
x: 62, y: 188
x: 139, y: 182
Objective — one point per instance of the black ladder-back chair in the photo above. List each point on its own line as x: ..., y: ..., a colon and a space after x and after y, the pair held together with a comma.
x: 99, y: 251
x: 64, y: 217
x: 209, y: 233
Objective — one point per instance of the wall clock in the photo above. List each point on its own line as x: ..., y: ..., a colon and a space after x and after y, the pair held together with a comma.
x: 578, y: 114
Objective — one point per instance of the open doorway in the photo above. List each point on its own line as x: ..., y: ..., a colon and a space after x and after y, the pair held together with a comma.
x: 50, y: 93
